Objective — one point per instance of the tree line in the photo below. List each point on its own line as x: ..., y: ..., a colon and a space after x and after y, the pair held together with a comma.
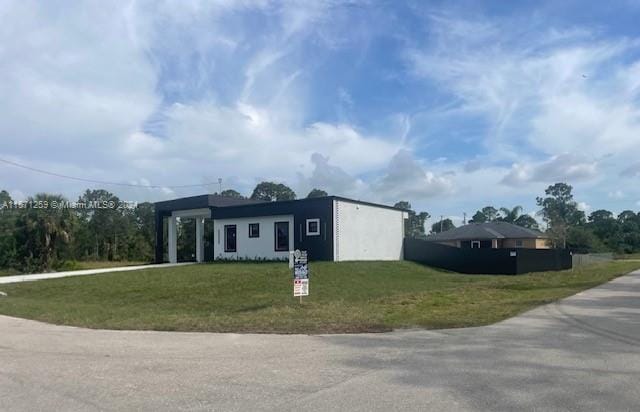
x: 565, y: 223
x: 38, y: 238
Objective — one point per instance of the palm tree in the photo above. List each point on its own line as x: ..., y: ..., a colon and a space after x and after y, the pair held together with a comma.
x: 510, y: 215
x: 43, y: 229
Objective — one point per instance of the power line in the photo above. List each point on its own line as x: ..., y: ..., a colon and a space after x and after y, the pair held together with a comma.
x: 101, y: 182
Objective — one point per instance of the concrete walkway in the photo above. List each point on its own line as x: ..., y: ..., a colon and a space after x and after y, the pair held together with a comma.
x: 581, y: 353
x: 53, y: 275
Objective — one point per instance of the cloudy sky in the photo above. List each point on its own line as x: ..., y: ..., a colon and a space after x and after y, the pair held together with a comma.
x: 450, y: 105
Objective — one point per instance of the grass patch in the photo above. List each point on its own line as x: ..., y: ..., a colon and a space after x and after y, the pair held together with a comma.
x: 626, y: 256
x: 8, y: 272
x: 246, y: 297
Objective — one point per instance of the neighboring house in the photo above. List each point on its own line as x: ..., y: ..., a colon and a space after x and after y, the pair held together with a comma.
x: 328, y: 228
x: 496, y: 235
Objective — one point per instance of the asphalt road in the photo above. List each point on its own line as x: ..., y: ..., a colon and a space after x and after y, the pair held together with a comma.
x: 579, y: 354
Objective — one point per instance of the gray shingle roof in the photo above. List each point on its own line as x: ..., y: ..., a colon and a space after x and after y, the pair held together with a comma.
x: 488, y: 230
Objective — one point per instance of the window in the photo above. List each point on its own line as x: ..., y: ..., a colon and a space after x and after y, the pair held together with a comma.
x: 281, y: 236
x: 519, y: 243
x: 475, y: 244
x: 313, y: 227
x: 230, y: 238
x: 254, y: 229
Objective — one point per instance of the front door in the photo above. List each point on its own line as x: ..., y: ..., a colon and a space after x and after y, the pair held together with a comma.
x: 230, y: 238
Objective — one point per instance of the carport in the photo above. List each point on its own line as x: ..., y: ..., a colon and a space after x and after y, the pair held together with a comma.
x: 198, y: 208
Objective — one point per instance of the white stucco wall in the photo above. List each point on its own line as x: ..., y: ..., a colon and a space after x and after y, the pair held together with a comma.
x: 365, y: 232
x: 251, y: 248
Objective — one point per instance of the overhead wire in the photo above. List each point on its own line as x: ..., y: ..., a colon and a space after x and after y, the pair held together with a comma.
x: 103, y: 182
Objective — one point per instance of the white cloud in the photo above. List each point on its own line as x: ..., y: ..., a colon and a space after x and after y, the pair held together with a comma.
x: 81, y: 90
x: 519, y: 173
x: 72, y: 83
x: 552, y: 91
x: 406, y: 179
x: 584, y: 206
x: 564, y: 167
x: 330, y: 178
x: 266, y: 147
x: 617, y: 194
x: 631, y: 171
x: 184, y: 93
x: 17, y: 195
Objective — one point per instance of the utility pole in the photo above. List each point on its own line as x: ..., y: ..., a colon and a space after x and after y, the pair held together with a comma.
x: 441, y: 217
x: 220, y: 185
x: 464, y: 219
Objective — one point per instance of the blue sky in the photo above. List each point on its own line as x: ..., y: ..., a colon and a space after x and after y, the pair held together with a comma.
x: 450, y: 105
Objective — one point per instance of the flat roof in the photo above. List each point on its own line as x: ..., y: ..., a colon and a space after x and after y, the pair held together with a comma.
x: 217, y: 201
x: 203, y: 201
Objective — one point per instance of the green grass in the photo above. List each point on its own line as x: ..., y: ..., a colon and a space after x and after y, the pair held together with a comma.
x: 246, y: 297
x: 8, y: 272
x: 633, y: 256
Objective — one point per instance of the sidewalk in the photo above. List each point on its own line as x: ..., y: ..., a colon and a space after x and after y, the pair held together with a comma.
x: 54, y: 275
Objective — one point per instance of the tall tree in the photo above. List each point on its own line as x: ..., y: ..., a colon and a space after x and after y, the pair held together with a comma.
x: 583, y: 240
x: 603, y: 224
x: 105, y: 221
x: 560, y: 211
x: 142, y: 241
x: 486, y: 214
x: 8, y: 250
x: 627, y: 216
x: 270, y: 191
x: 527, y: 221
x: 414, y: 225
x: 42, y: 231
x: 628, y: 239
x: 231, y: 193
x: 5, y: 200
x: 442, y: 226
x: 317, y: 193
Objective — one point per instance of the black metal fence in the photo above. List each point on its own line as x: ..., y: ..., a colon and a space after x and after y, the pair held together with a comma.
x: 486, y: 261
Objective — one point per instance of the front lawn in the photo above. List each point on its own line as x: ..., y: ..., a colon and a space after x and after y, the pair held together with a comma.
x: 633, y: 256
x: 257, y: 297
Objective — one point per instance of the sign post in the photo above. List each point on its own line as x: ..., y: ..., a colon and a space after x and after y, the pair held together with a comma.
x: 300, y: 274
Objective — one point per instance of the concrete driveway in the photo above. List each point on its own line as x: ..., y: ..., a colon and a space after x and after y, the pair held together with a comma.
x: 579, y: 354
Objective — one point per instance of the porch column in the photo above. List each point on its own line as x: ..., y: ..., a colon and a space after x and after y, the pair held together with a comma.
x: 199, y: 239
x: 494, y: 243
x: 172, y: 239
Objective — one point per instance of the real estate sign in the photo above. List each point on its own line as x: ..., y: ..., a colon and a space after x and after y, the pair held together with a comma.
x: 301, y: 287
x: 300, y: 273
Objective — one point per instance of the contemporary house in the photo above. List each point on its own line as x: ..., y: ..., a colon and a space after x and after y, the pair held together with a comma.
x: 328, y: 228
x: 494, y: 235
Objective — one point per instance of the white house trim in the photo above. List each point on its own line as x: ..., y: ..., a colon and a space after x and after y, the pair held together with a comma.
x: 205, y: 212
